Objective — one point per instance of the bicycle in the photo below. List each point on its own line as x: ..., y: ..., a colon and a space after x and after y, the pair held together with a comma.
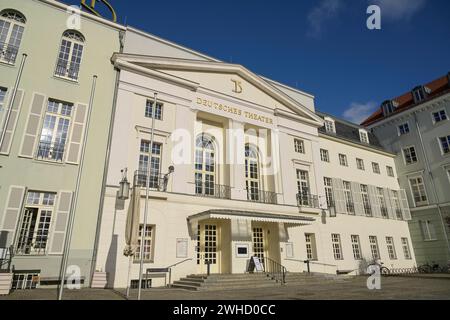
x: 383, y: 270
x: 432, y: 268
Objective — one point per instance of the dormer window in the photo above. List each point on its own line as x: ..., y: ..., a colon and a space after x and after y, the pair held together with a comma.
x: 329, y: 125
x: 420, y: 93
x: 363, y: 136
x: 389, y: 107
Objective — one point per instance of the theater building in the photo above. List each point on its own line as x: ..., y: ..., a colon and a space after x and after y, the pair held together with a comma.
x: 256, y: 172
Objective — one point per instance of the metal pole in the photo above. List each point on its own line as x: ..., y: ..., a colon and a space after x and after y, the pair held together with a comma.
x: 147, y: 191
x: 13, y: 97
x: 65, y: 257
x: 129, y: 274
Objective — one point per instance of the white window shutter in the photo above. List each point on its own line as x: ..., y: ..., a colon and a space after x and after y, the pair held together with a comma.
x: 357, y: 199
x: 338, y: 195
x: 12, y: 122
x: 60, y: 223
x: 405, y: 205
x: 76, y: 138
x: 389, y: 204
x: 374, y: 202
x: 31, y: 135
x: 13, y: 208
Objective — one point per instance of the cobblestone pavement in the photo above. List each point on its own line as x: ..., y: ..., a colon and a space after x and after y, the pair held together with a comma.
x: 351, y: 289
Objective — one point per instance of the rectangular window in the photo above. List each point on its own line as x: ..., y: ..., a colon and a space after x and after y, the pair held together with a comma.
x: 69, y: 57
x: 418, y: 191
x: 311, y: 252
x: 403, y: 129
x: 391, y: 248
x: 299, y: 146
x: 343, y: 160
x: 356, y: 247
x: 382, y: 203
x: 348, y: 197
x: 366, y: 201
x: 374, y: 247
x: 439, y: 116
x: 363, y: 136
x: 2, y: 108
x: 329, y: 126
x: 55, y: 131
x: 324, y: 155
x: 396, y: 205
x: 406, y: 249
x: 304, y: 196
x: 390, y: 171
x: 11, y: 32
x: 428, y: 230
x: 149, y: 110
x: 155, y: 165
x: 148, y: 244
x: 445, y: 144
x: 337, y: 248
x: 360, y: 164
x: 328, y: 182
x: 35, y: 225
x: 376, y: 168
x: 410, y: 155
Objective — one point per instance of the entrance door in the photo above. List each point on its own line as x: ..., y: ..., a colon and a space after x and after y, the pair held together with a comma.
x: 260, y: 243
x: 207, y: 248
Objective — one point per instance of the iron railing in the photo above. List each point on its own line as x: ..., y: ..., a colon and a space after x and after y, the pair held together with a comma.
x: 50, y: 151
x: 261, y: 196
x: 6, y: 256
x: 67, y: 70
x: 36, y: 246
x: 157, y: 181
x: 206, y: 189
x: 275, y: 270
x: 308, y: 200
x: 8, y: 52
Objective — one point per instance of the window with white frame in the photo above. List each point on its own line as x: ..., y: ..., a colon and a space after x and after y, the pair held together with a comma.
x: 348, y: 197
x: 391, y: 248
x: 330, y: 126
x: 356, y: 246
x: 374, y: 247
x: 445, y: 144
x: 337, y: 247
x: 12, y: 26
x: 363, y: 136
x: 366, y: 201
x: 55, y: 131
x: 70, y: 55
x: 205, y: 166
x: 343, y: 160
x: 299, y: 146
x: 149, y: 112
x: 403, y: 129
x: 324, y: 155
x: 410, y: 155
x: 252, y: 175
x: 304, y: 195
x: 328, y: 182
x: 376, y: 168
x: 420, y: 93
x: 2, y: 108
x: 428, y: 230
x: 406, y: 249
x: 382, y: 203
x: 390, y: 171
x: 155, y: 164
x: 35, y: 224
x: 388, y: 107
x: 439, y: 116
x: 396, y: 205
x: 311, y: 251
x: 360, y: 164
x: 148, y: 244
x: 418, y: 191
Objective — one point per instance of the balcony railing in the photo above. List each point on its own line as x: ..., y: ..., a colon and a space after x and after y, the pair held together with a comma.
x: 8, y: 52
x: 157, y: 182
x: 261, y: 196
x: 32, y: 246
x: 66, y: 70
x: 50, y: 151
x: 308, y: 200
x: 205, y: 189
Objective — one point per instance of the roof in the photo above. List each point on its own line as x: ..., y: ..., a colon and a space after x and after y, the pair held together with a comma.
x: 405, y: 102
x: 349, y: 131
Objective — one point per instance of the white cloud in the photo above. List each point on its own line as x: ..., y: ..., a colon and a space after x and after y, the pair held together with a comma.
x: 326, y: 10
x: 358, y: 112
x: 398, y: 9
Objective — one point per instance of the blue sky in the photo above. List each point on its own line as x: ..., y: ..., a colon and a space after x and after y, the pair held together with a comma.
x: 322, y: 47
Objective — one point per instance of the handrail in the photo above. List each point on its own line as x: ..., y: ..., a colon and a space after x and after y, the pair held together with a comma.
x: 173, y: 266
x: 7, y: 257
x: 275, y: 270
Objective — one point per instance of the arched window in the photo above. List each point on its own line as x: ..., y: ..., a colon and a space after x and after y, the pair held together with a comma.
x: 205, y: 166
x: 252, y: 175
x: 12, y: 25
x: 70, y: 54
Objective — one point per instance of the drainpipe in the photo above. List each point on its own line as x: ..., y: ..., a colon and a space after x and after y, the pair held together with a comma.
x: 13, y: 97
x: 433, y: 184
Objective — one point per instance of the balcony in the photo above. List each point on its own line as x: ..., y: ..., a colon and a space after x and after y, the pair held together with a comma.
x: 261, y: 196
x: 157, y: 182
x: 8, y: 53
x: 50, y: 151
x: 211, y: 190
x: 308, y: 200
x: 64, y: 70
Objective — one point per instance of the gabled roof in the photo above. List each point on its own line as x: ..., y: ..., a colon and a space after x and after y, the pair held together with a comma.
x: 405, y: 102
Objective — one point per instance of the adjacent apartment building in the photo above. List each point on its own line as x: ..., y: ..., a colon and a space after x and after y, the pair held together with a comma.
x: 57, y: 88
x: 415, y: 126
